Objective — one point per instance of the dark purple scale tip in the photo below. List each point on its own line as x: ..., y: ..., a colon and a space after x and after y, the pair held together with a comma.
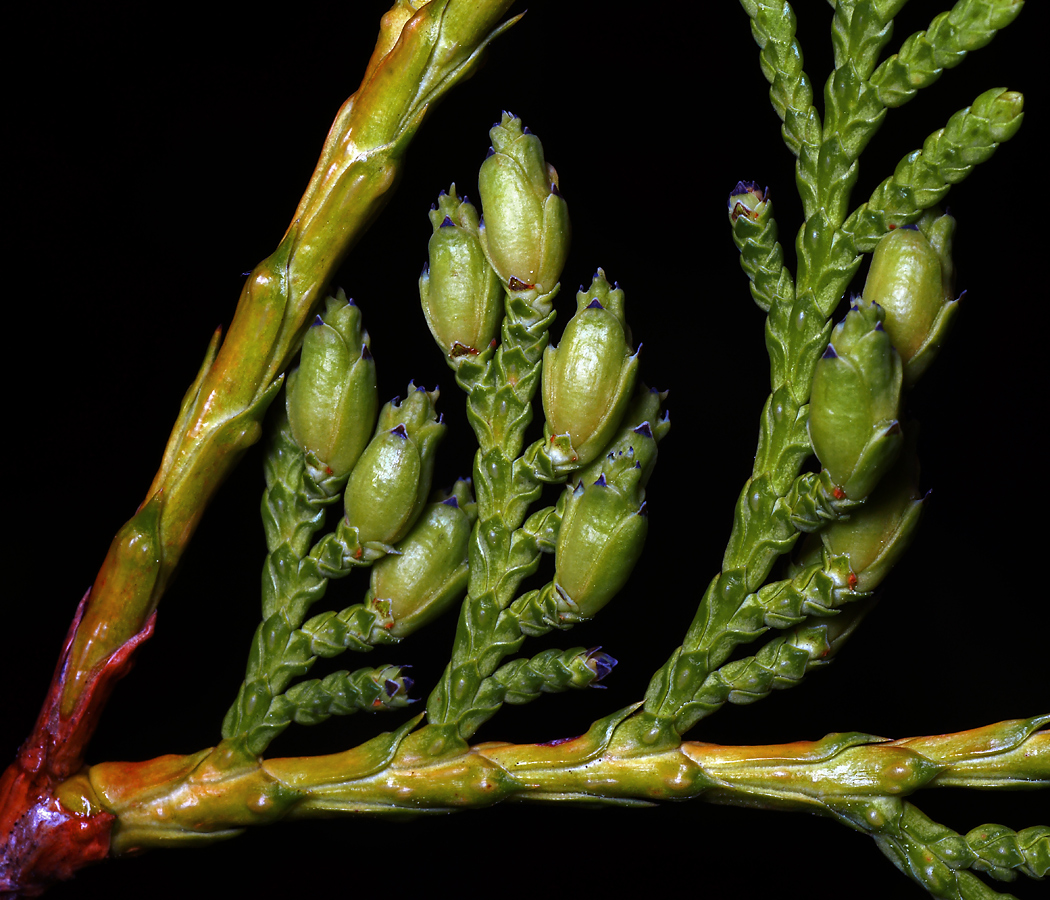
x: 246, y: 274
x: 407, y: 682
x: 441, y: 419
x: 744, y: 187
x: 400, y: 431
x: 366, y: 352
x: 878, y: 326
x: 448, y: 222
x: 442, y: 193
x: 492, y: 152
x: 433, y: 206
x: 644, y: 430
x: 451, y: 501
x: 602, y: 663
x: 426, y: 270
x: 830, y: 353
x: 350, y: 301
x: 616, y: 285
x: 317, y: 321
x: 526, y: 130
x: 554, y: 190
x: 601, y: 480
x: 909, y: 228
x: 643, y: 510
x: 465, y: 200
x: 576, y: 491
x: 391, y: 687
x: 595, y: 304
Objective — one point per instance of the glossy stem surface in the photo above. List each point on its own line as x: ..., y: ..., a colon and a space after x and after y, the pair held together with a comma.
x: 217, y: 792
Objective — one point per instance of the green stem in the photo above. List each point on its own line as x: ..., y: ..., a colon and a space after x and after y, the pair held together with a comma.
x: 499, y: 407
x: 418, y: 57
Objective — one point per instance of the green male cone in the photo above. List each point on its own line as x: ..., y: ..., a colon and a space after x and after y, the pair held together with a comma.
x: 332, y: 399
x: 525, y: 232
x: 588, y: 379
x: 911, y: 279
x: 390, y: 483
x: 876, y: 535
x: 429, y: 571
x: 603, y: 518
x: 602, y: 534
x: 855, y: 402
x: 461, y: 294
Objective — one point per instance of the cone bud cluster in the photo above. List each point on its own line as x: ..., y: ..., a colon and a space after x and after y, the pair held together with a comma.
x: 911, y: 278
x: 429, y: 571
x: 461, y: 294
x: 389, y: 485
x: 855, y: 402
x: 525, y: 232
x: 588, y: 379
x: 331, y: 397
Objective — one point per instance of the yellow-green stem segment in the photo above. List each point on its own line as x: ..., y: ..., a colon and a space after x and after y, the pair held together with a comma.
x: 423, y: 49
x: 217, y: 792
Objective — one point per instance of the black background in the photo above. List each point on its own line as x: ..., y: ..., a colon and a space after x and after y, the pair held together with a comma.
x: 159, y: 155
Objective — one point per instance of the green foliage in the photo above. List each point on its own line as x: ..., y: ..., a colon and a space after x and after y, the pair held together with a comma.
x: 816, y: 529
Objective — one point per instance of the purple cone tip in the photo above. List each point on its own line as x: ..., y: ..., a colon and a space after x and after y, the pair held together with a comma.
x: 595, y: 304
x: 317, y: 321
x: 909, y: 228
x: 601, y: 663
x: 400, y: 431
x: 644, y: 430
x: 447, y: 222
x: 526, y: 129
x: 601, y: 482
x: 492, y: 152
x: 451, y: 501
x: 745, y: 187
x: 830, y: 353
x: 366, y: 352
x: 554, y: 190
